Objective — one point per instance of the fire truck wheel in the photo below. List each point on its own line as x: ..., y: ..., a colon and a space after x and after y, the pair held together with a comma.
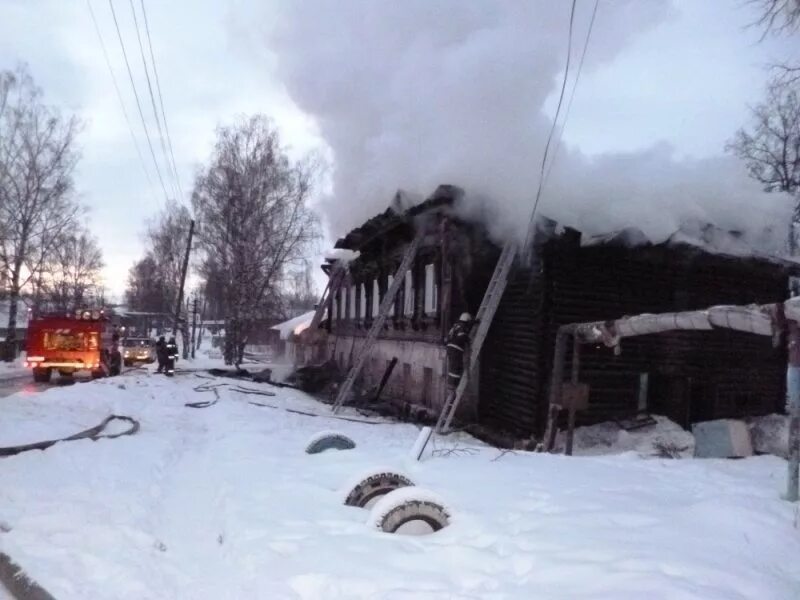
x: 41, y: 375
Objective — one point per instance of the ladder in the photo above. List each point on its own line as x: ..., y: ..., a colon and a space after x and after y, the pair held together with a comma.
x: 334, y: 282
x: 380, y: 319
x: 488, y: 307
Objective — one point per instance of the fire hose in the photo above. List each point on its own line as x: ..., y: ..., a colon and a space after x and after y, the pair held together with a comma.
x: 93, y: 433
x: 214, y: 387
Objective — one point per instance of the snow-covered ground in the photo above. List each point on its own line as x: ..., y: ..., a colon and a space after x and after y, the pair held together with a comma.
x: 15, y: 369
x: 223, y: 502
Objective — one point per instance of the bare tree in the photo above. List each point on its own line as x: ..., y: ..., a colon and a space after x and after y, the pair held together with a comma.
x: 780, y: 17
x: 255, y: 225
x: 771, y: 147
x: 71, y: 277
x: 37, y: 160
x: 166, y: 244
x: 146, y: 289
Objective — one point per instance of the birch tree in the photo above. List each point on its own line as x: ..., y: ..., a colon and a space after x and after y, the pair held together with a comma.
x: 251, y: 203
x: 37, y: 161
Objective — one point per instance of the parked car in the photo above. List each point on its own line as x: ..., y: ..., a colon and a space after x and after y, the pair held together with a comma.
x: 138, y: 350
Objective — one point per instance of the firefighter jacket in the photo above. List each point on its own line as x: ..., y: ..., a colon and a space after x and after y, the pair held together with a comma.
x: 458, y: 336
x: 161, y: 350
x: 457, y: 340
x: 172, y: 350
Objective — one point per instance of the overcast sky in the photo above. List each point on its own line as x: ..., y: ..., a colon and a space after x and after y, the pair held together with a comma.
x: 680, y: 73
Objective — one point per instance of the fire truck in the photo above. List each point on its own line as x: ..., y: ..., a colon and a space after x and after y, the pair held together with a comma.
x: 71, y: 342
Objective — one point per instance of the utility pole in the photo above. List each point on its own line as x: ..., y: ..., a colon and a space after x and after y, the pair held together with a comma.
x: 194, y: 322
x: 179, y: 303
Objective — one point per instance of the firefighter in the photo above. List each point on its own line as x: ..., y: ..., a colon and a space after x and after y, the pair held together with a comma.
x: 115, y: 356
x: 457, y: 340
x: 172, y: 356
x: 161, y: 354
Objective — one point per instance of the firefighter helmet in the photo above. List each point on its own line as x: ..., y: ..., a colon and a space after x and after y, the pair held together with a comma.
x: 465, y: 317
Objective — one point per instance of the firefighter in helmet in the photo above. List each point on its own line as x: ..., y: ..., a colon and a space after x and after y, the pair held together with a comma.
x: 172, y: 356
x: 161, y: 354
x: 457, y: 340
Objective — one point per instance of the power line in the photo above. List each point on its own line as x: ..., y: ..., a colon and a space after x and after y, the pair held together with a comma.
x: 161, y: 99
x: 152, y: 97
x: 552, y: 129
x: 119, y: 95
x: 138, y: 103
x: 574, y: 87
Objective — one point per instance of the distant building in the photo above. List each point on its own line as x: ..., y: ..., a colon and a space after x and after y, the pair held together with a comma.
x: 691, y: 376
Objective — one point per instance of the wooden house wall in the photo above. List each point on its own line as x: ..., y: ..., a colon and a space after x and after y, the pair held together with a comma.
x: 692, y: 375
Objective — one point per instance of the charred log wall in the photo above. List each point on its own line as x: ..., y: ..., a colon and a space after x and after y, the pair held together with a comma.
x: 692, y: 376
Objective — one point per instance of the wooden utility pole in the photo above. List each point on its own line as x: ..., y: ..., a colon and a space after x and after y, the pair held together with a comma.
x: 183, y: 279
x: 194, y: 322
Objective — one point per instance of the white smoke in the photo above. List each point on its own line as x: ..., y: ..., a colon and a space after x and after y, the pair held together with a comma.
x: 417, y: 93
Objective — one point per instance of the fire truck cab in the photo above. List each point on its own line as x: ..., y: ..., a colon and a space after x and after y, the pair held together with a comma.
x: 69, y: 343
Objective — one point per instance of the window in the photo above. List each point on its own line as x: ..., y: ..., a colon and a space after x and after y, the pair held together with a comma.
x: 376, y: 298
x: 427, y: 386
x: 409, y: 294
x: 363, y: 303
x: 64, y: 339
x: 389, y: 281
x: 343, y: 302
x: 353, y: 294
x: 431, y: 290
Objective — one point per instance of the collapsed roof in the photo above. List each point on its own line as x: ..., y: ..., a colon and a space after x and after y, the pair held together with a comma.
x: 703, y: 236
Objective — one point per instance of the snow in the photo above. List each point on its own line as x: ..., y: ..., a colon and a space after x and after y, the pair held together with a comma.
x: 664, y: 436
x: 295, y: 325
x: 15, y: 369
x: 223, y: 502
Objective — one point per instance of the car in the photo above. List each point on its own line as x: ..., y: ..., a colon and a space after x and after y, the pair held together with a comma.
x: 138, y: 350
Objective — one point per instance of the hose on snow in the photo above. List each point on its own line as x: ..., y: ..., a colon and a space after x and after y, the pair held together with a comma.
x: 93, y: 433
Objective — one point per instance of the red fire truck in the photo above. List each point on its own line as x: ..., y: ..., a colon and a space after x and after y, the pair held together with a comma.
x: 68, y: 343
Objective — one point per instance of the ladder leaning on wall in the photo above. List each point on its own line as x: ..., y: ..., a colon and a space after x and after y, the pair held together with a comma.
x: 334, y: 283
x: 486, y: 312
x: 380, y: 319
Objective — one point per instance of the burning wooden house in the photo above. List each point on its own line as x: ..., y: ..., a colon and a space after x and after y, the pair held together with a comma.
x: 688, y: 376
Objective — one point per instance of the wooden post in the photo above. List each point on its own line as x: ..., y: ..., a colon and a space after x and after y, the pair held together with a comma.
x: 556, y: 379
x: 194, y: 323
x: 576, y: 365
x: 178, y: 304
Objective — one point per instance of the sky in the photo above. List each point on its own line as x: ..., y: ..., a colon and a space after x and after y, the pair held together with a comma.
x: 409, y: 95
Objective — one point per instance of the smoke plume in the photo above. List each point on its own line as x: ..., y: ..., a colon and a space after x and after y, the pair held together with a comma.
x: 416, y: 93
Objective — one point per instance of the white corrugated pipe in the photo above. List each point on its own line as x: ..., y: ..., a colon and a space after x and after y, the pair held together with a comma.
x: 751, y: 319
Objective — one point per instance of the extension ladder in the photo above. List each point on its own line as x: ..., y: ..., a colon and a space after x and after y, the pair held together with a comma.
x: 488, y: 307
x: 380, y: 319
